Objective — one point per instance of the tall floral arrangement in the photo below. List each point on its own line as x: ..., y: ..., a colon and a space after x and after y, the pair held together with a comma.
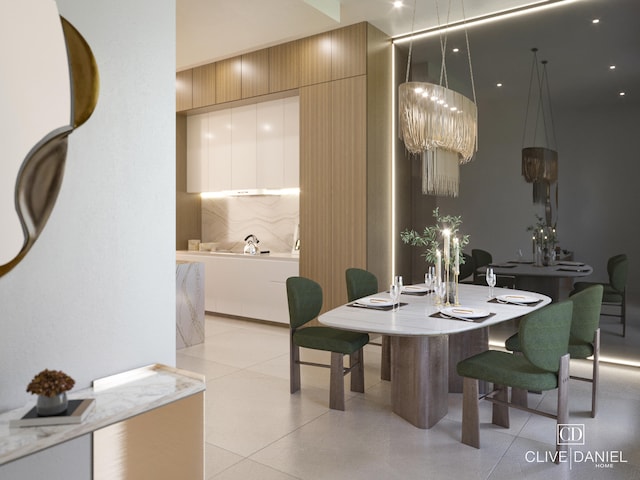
x: 431, y: 237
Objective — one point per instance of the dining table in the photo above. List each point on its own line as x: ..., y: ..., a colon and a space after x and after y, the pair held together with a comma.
x: 428, y: 340
x: 555, y: 281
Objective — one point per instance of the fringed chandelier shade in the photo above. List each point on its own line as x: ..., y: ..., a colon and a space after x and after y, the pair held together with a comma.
x: 440, y: 125
x: 540, y: 163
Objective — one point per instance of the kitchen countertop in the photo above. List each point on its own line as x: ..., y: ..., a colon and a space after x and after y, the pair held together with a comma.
x: 269, y: 256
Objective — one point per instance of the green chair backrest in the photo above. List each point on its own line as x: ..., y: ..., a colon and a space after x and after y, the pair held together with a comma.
x: 544, y: 335
x: 481, y: 258
x: 586, y: 312
x: 305, y: 300
x: 468, y: 267
x: 617, y: 268
x: 360, y: 283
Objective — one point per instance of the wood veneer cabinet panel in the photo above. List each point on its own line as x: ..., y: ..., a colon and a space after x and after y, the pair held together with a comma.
x: 184, y: 90
x: 315, y: 59
x: 284, y: 67
x: 349, y: 51
x: 315, y: 184
x: 229, y: 80
x: 255, y: 74
x: 349, y: 183
x: 204, y: 85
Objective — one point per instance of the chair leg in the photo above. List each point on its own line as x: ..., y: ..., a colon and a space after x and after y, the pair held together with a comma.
x: 596, y: 373
x: 385, y: 361
x: 356, y: 360
x: 563, y: 400
x: 336, y: 382
x: 294, y: 367
x: 470, y: 421
x: 519, y: 396
x: 500, y: 413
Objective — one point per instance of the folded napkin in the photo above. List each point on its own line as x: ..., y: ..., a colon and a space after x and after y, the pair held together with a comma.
x: 447, y: 317
x: 495, y: 300
x: 375, y: 307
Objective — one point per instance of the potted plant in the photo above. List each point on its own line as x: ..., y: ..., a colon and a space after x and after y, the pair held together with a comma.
x: 51, y: 386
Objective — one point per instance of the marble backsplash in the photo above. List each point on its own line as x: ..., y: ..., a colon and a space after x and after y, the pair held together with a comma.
x: 273, y: 219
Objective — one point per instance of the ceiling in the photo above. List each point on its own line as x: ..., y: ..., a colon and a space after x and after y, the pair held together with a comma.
x: 579, y: 53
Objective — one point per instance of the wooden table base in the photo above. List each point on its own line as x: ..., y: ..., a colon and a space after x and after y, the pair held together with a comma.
x: 419, y: 378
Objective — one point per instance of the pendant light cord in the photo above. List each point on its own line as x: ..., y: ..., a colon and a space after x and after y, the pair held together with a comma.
x: 413, y: 24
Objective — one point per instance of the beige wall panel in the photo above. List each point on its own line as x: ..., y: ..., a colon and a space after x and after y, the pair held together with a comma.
x: 165, y: 443
x: 315, y: 59
x: 284, y: 67
x: 315, y: 184
x: 204, y: 85
x: 349, y: 51
x: 349, y: 183
x: 188, y: 205
x: 380, y: 141
x: 229, y: 80
x: 184, y: 99
x: 255, y: 73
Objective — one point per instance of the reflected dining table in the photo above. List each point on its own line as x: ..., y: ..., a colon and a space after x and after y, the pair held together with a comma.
x: 555, y: 281
x: 425, y: 347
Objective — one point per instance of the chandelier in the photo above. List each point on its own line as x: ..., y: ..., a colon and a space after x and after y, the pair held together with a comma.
x: 540, y: 162
x: 439, y: 124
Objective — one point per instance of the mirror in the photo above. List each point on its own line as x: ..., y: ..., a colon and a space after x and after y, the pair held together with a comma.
x: 595, y: 128
x: 50, y: 87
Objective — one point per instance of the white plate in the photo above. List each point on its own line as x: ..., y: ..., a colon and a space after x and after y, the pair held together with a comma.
x: 515, y: 298
x: 375, y: 302
x: 570, y: 264
x: 465, y: 312
x: 414, y: 289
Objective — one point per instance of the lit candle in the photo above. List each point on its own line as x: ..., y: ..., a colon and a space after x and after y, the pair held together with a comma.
x: 438, y: 265
x: 456, y: 252
x: 534, y: 246
x: 446, y: 233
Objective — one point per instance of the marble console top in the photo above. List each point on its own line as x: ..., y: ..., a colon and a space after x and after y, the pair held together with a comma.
x: 266, y: 256
x: 118, y: 398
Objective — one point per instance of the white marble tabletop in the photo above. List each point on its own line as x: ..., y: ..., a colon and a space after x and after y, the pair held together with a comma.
x: 263, y: 256
x: 118, y: 398
x: 414, y: 318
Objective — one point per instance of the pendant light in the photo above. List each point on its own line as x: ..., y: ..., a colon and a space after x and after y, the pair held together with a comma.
x: 540, y: 160
x: 439, y: 124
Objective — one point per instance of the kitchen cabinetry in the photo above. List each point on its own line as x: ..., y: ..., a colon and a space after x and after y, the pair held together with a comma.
x: 246, y: 285
x: 244, y: 148
x: 228, y: 83
x: 184, y: 81
x: 204, y: 85
x: 255, y: 74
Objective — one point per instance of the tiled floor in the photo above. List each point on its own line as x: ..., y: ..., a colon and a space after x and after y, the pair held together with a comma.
x: 255, y: 429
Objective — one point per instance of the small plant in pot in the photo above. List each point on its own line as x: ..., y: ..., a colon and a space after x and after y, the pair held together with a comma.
x: 51, y: 386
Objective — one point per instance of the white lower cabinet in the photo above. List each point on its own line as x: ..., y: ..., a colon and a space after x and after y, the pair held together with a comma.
x: 246, y: 286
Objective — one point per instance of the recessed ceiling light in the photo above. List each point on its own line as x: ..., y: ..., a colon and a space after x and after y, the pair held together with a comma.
x: 498, y: 84
x: 398, y: 4
x: 595, y: 20
x: 456, y: 50
x: 622, y: 94
x: 612, y: 67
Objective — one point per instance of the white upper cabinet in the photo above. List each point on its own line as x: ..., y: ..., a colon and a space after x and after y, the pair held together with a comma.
x: 291, y: 142
x: 198, y: 153
x: 270, y: 151
x: 219, y: 151
x: 245, y: 148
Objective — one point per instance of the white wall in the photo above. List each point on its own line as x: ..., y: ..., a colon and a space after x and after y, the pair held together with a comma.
x: 96, y: 294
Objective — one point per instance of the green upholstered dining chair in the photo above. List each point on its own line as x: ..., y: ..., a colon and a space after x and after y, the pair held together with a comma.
x: 544, y: 365
x: 467, y: 268
x: 362, y: 283
x: 615, y: 292
x: 481, y: 258
x: 584, y: 339
x: 305, y: 302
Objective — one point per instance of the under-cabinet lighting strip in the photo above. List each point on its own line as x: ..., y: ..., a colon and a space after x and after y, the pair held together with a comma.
x: 254, y: 192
